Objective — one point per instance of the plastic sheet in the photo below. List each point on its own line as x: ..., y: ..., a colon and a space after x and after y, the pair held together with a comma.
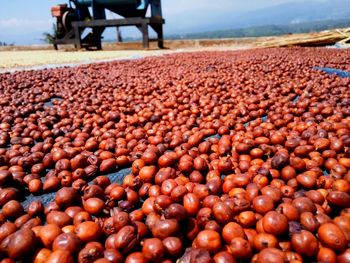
x: 213, y: 136
x: 296, y: 99
x: 49, y: 103
x: 331, y: 71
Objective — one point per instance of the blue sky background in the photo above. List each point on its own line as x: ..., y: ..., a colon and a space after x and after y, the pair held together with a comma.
x: 23, y: 21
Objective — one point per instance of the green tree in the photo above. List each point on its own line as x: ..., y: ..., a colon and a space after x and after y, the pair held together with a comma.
x: 49, y: 37
x: 5, y: 44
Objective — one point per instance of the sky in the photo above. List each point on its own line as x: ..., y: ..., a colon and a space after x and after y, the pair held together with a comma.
x: 23, y: 21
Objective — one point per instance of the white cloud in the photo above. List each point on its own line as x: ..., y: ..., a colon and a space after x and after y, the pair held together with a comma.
x: 18, y: 23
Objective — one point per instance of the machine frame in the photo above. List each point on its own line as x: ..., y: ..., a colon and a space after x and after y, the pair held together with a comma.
x: 74, y: 34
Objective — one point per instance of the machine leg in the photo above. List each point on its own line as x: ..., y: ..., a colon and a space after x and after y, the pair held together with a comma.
x: 77, y: 37
x: 119, y: 35
x: 158, y: 28
x: 145, y: 37
x: 54, y: 42
x: 160, y: 36
x: 96, y: 41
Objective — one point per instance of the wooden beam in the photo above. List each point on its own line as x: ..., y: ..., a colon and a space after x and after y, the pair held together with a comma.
x: 118, y: 22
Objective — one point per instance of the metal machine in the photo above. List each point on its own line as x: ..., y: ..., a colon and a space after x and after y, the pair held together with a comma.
x: 78, y: 15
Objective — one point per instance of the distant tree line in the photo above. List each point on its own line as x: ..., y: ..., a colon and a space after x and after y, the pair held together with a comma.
x: 48, y: 37
x: 4, y: 44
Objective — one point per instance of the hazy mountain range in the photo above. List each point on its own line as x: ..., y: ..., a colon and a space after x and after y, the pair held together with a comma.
x: 266, y: 30
x: 288, y: 13
x: 296, y: 13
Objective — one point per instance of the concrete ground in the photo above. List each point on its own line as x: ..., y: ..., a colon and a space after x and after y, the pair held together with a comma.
x: 38, y: 57
x: 17, y: 60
